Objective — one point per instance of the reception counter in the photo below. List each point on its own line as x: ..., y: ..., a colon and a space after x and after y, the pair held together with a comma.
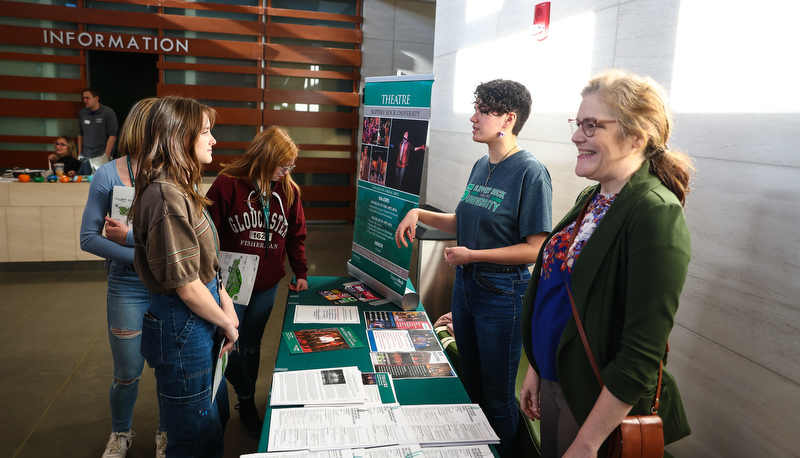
x: 42, y: 221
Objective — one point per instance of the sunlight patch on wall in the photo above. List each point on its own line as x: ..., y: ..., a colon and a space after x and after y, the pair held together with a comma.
x: 477, y: 9
x: 554, y: 70
x: 736, y: 56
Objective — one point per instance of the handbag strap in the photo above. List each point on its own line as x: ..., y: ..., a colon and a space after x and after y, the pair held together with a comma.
x: 582, y: 332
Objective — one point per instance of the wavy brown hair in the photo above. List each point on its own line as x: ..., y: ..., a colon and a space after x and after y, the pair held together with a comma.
x: 641, y: 107
x: 269, y: 150
x: 171, y: 130
x: 131, y: 135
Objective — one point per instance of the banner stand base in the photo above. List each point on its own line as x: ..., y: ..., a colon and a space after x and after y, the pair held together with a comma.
x: 408, y: 301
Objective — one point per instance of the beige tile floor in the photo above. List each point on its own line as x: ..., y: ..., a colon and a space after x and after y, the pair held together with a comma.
x: 55, y: 362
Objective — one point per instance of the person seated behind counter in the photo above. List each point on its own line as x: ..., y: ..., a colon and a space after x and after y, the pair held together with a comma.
x: 66, y: 153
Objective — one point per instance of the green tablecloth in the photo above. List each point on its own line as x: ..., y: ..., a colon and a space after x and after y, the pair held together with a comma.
x: 445, y: 390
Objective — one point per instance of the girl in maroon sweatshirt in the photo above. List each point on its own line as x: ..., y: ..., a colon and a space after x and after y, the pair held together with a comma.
x: 256, y: 208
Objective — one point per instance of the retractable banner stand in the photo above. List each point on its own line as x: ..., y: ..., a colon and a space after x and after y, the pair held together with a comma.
x: 392, y: 154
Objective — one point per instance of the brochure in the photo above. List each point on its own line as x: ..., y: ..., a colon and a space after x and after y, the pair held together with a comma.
x: 326, y: 314
x: 396, y: 320
x: 361, y: 292
x: 403, y: 340
x: 422, y: 364
x: 121, y: 201
x: 220, y: 363
x: 238, y: 275
x: 379, y: 388
x: 336, y: 297
x: 326, y: 339
x: 338, y: 385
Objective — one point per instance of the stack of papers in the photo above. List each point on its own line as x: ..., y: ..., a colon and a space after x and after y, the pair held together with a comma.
x: 338, y: 428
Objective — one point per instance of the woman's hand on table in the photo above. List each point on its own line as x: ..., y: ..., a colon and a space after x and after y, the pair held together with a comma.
x: 300, y: 285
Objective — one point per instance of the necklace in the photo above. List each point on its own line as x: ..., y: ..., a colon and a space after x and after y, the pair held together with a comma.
x: 491, y: 169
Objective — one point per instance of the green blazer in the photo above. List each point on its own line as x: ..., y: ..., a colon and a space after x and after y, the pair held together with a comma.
x: 627, y: 283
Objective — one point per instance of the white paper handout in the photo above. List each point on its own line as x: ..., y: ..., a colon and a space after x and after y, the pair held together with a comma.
x: 336, y: 385
x: 450, y: 424
x: 326, y: 314
x: 394, y: 451
x: 238, y: 275
x: 220, y: 363
x: 326, y: 428
x: 121, y: 201
x: 303, y: 454
x: 471, y: 451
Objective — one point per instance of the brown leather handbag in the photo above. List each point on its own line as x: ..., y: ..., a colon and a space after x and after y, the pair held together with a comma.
x: 638, y: 436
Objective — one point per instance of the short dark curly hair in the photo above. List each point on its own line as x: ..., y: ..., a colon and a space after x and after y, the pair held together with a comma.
x: 504, y: 96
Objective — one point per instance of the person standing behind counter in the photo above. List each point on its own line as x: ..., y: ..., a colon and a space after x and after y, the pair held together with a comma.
x: 496, y: 243
x: 128, y: 299
x: 625, y: 270
x: 259, y: 188
x: 97, y: 127
x: 176, y: 257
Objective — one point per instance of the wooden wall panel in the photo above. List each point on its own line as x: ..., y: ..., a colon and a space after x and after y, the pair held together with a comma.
x: 24, y: 159
x: 310, y: 55
x: 254, y: 44
x: 76, y: 60
x: 349, y: 99
x: 330, y: 214
x: 33, y: 84
x: 328, y: 193
x: 310, y: 32
x: 39, y: 108
x: 310, y: 119
x: 130, y: 19
x: 211, y: 92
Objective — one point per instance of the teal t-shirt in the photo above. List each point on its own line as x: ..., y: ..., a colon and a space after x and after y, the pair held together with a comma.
x: 515, y: 202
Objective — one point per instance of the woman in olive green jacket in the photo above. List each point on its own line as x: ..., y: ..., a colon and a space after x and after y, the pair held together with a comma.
x: 625, y: 265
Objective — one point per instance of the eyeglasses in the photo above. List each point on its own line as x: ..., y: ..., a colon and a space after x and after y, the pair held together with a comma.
x: 59, y: 144
x: 588, y: 125
x: 287, y: 168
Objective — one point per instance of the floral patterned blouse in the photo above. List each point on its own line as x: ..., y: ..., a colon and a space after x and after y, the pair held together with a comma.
x: 553, y: 309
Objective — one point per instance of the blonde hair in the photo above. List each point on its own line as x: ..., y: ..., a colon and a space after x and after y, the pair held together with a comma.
x: 641, y: 107
x: 72, y: 150
x: 171, y: 131
x: 131, y: 135
x: 268, y: 150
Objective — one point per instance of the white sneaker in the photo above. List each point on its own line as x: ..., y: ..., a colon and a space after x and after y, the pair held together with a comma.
x: 118, y: 444
x: 161, y: 444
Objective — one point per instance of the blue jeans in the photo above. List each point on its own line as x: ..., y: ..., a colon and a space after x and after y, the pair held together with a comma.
x: 178, y: 345
x: 487, y: 308
x: 244, y: 362
x: 126, y: 303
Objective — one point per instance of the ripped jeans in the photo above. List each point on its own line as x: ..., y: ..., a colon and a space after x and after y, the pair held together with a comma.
x: 127, y: 301
x: 487, y: 308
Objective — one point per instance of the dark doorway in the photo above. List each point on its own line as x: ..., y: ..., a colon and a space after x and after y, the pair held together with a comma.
x: 122, y: 78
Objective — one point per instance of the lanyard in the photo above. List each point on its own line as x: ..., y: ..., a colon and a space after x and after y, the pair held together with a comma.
x: 130, y: 171
x: 265, y: 210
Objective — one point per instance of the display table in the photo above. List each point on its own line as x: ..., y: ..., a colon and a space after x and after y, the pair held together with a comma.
x: 443, y: 390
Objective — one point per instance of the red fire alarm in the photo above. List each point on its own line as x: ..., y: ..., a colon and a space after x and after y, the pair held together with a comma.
x: 541, y: 20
